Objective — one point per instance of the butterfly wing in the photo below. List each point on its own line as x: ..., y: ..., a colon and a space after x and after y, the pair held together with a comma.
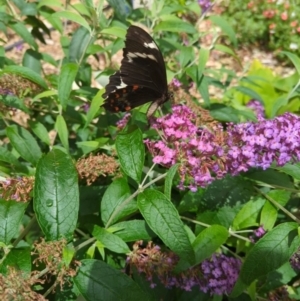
x: 142, y: 75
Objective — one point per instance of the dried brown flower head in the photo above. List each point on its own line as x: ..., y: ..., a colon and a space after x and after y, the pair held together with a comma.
x: 50, y: 254
x: 18, y: 85
x: 15, y: 286
x: 93, y: 166
x: 18, y: 189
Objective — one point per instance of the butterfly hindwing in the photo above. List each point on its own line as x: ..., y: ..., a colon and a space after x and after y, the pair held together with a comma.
x: 142, y: 75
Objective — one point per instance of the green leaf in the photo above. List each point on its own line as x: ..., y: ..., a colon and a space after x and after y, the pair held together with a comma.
x: 62, y: 130
x: 185, y: 55
x: 14, y: 102
x: 11, y: 214
x: 47, y: 93
x: 56, y: 195
x: 110, y: 240
x: 19, y: 258
x: 26, y: 73
x: 40, y: 131
x: 131, y: 152
x: 23, y: 32
x: 98, y: 281
x: 226, y: 28
x: 272, y: 177
x: 270, y: 252
x: 291, y: 169
x: 163, y: 218
x: 227, y: 50
x: 115, y: 31
x: 174, y: 24
x: 268, y: 216
x: 24, y: 143
x: 66, y: 78
x: 121, y: 8
x: 294, y: 59
x: 7, y: 156
x: 32, y: 60
x: 134, y: 230
x: 208, y: 241
x: 97, y: 101
x: 203, y: 58
x: 169, y: 180
x: 117, y: 192
x: 249, y: 92
x: 81, y: 39
x: 73, y: 17
x: 249, y: 214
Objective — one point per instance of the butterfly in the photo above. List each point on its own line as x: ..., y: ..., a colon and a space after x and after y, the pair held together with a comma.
x: 142, y: 76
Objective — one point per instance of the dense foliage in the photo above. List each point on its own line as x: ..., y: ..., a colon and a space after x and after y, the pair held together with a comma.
x: 272, y: 24
x: 201, y: 202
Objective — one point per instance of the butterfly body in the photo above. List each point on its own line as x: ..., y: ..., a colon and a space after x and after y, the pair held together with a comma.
x: 142, y: 76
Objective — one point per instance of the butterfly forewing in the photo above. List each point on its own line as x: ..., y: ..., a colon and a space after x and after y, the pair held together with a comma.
x: 142, y: 75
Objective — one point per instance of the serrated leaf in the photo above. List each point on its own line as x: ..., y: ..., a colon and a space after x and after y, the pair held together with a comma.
x: 40, y: 131
x: 270, y: 252
x: 117, y: 192
x: 66, y: 78
x: 73, y: 17
x: 163, y: 218
x: 131, y: 152
x: 98, y: 281
x: 62, y: 130
x: 26, y: 73
x: 11, y: 214
x: 24, y: 143
x: 56, y: 195
x: 208, y: 241
x: 110, y: 240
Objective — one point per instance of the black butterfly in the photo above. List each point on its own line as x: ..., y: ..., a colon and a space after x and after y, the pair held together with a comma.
x: 142, y: 76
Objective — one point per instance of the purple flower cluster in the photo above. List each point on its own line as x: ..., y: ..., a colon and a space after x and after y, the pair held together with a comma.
x: 6, y: 92
x: 260, y: 144
x: 176, y: 83
x: 207, y: 153
x: 123, y: 122
x: 205, y: 5
x: 257, y: 107
x: 192, y: 147
x: 257, y: 234
x: 216, y: 275
x: 295, y: 261
x: 220, y: 273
